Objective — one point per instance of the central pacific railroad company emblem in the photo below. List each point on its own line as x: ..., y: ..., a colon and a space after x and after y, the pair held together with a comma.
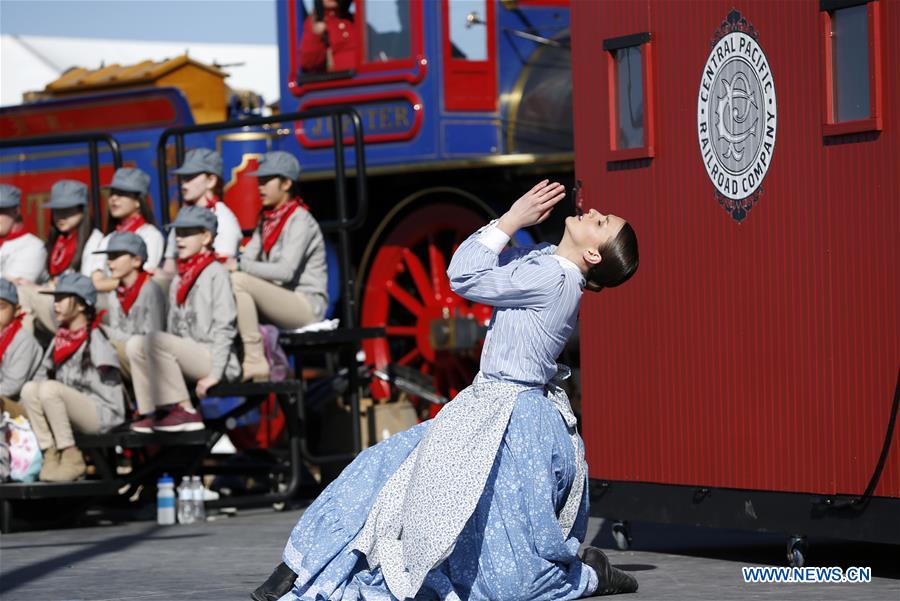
x: 737, y: 115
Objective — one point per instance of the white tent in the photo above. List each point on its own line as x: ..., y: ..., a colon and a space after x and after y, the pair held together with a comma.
x: 28, y: 63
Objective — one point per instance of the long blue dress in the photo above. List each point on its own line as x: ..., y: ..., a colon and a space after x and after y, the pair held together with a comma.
x: 488, y: 500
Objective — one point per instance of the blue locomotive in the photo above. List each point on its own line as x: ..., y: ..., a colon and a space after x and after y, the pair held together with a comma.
x: 463, y: 104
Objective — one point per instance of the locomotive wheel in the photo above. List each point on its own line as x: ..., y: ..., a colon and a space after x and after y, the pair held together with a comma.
x: 621, y: 533
x: 407, y: 289
x: 797, y: 550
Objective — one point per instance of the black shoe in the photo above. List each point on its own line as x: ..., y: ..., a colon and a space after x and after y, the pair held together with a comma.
x: 612, y: 580
x: 276, y: 586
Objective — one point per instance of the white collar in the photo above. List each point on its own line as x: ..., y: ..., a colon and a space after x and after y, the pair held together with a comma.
x: 567, y: 264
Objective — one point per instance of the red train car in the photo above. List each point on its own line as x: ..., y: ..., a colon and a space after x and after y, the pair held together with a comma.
x: 747, y: 376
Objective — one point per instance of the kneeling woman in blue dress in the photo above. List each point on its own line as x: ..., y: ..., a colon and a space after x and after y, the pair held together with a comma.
x: 488, y: 500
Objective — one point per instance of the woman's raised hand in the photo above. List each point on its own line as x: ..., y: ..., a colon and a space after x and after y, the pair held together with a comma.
x: 533, y: 207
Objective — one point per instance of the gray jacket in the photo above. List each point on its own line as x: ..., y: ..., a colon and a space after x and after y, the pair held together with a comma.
x: 148, y: 313
x: 98, y: 378
x: 19, y: 363
x: 209, y: 316
x: 296, y: 262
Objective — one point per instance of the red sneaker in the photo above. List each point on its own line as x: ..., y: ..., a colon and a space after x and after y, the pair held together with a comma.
x: 144, y: 425
x: 179, y: 419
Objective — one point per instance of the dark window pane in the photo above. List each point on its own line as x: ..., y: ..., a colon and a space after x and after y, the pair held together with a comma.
x: 387, y: 30
x: 629, y: 98
x: 850, y: 63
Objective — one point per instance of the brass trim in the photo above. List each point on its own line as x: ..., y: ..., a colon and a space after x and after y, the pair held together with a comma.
x: 246, y: 136
x: 52, y: 154
x: 503, y: 160
x: 515, y: 96
x: 245, y: 160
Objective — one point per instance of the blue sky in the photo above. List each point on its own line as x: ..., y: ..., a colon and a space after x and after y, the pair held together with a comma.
x: 237, y: 21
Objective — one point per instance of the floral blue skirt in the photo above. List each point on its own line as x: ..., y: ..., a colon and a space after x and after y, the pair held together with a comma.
x: 511, y: 548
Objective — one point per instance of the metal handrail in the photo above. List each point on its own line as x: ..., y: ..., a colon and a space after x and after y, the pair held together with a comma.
x: 342, y: 226
x: 92, y: 139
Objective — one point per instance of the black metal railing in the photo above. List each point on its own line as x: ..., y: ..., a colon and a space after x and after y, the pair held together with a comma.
x: 342, y: 226
x: 93, y: 140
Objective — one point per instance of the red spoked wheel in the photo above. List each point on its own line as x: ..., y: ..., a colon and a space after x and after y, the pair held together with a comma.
x: 407, y: 289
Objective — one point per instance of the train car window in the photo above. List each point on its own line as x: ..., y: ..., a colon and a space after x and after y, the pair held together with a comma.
x: 468, y: 31
x: 852, y: 66
x: 630, y: 96
x: 387, y: 30
x: 850, y: 63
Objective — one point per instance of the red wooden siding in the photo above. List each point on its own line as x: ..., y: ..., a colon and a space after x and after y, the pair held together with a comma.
x: 762, y: 354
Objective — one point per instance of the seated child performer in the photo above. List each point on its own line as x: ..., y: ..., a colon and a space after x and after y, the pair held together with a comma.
x: 70, y: 247
x: 20, y: 353
x: 138, y: 305
x: 199, y: 341
x: 282, y: 274
x: 130, y: 211
x: 78, y: 386
x: 22, y: 254
x: 201, y: 185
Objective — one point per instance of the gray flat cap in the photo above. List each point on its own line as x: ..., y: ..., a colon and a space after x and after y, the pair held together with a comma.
x: 200, y: 160
x: 77, y: 284
x: 10, y: 196
x: 125, y: 242
x: 8, y: 292
x: 194, y: 216
x: 67, y: 193
x: 278, y: 163
x: 130, y: 179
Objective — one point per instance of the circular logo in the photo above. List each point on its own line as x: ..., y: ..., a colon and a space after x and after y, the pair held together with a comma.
x: 737, y: 118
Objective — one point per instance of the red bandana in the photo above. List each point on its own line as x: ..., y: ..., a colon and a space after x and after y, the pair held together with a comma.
x: 67, y: 342
x: 210, y: 202
x: 127, y: 296
x: 189, y: 270
x: 131, y: 223
x: 275, y: 220
x: 63, y: 253
x: 8, y: 333
x: 18, y: 231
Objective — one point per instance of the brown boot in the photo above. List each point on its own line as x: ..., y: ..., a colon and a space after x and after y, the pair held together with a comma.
x: 51, y: 463
x: 255, y: 366
x: 71, y: 466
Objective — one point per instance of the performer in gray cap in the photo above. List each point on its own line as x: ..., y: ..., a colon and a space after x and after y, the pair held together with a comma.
x: 282, y: 276
x: 201, y: 182
x: 200, y: 338
x: 72, y: 242
x: 138, y: 305
x: 72, y: 392
x: 130, y: 210
x: 20, y: 353
x: 22, y: 255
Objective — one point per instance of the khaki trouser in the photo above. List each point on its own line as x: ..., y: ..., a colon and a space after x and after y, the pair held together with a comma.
x: 160, y: 362
x: 279, y: 306
x: 37, y: 307
x: 54, y: 409
x: 119, y: 345
x: 12, y: 407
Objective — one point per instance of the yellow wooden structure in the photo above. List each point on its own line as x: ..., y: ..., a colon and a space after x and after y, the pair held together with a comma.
x: 203, y: 85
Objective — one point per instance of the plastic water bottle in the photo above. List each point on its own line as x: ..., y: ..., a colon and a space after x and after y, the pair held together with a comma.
x: 185, y: 502
x: 199, y: 507
x: 165, y: 501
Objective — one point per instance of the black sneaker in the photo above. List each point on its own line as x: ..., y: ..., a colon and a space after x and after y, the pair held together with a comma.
x: 276, y: 586
x: 612, y: 581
